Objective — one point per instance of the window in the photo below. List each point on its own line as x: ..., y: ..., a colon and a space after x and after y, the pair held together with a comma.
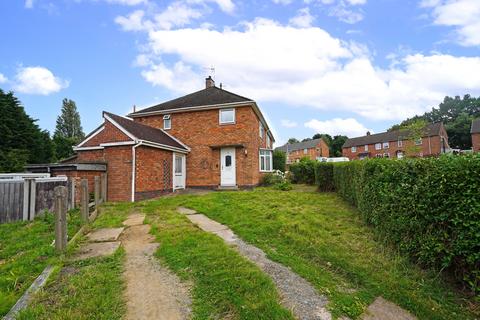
x: 418, y: 142
x: 399, y: 143
x: 399, y: 154
x: 354, y: 149
x: 228, y: 161
x: 305, y: 151
x: 260, y: 129
x: 268, y: 142
x: 178, y: 166
x: 167, y: 122
x: 378, y: 146
x: 386, y: 155
x: 227, y: 116
x: 366, y: 147
x: 265, y: 160
x: 386, y: 145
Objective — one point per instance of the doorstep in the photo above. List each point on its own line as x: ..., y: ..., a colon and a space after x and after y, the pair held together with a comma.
x: 227, y: 188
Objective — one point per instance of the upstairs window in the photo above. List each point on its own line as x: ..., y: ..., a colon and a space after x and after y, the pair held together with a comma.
x: 418, y: 142
x: 167, y: 122
x: 260, y: 129
x: 366, y: 147
x: 378, y: 146
x: 269, y: 142
x: 354, y: 149
x: 386, y: 145
x: 227, y: 116
x: 305, y: 151
x: 399, y: 143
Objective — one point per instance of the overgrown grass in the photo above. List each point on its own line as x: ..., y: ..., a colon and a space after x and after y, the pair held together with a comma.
x: 25, y: 250
x: 321, y: 238
x: 89, y: 289
x: 225, y: 285
x: 113, y: 214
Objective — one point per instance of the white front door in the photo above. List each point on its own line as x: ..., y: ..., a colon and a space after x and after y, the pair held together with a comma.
x: 228, y: 167
x: 179, y: 171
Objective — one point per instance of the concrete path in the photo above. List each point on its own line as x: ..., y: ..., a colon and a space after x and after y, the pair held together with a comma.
x: 153, y: 291
x: 296, y: 293
x: 382, y: 309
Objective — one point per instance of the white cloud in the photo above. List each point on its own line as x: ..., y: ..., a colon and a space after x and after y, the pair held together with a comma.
x: 3, y: 79
x: 288, y: 123
x: 348, y: 127
x: 29, y: 4
x: 346, y: 15
x: 268, y: 61
x: 133, y: 22
x: 463, y: 15
x: 127, y: 2
x: 38, y: 80
x: 284, y: 2
x: 303, y: 19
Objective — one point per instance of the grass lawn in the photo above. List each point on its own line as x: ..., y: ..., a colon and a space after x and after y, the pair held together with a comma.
x: 25, y: 251
x: 89, y: 289
x: 321, y: 238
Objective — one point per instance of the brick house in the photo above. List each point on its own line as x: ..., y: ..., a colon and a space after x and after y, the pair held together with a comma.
x: 475, y: 131
x: 211, y: 138
x: 395, y: 144
x: 312, y: 149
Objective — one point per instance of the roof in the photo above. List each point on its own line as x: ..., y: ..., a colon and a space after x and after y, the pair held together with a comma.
x: 430, y: 131
x: 206, y: 97
x: 147, y: 133
x: 299, y: 145
x: 475, y: 126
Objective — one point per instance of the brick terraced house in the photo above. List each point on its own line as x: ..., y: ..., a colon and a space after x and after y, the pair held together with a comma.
x: 475, y: 131
x: 395, y: 144
x: 211, y: 139
x: 312, y: 149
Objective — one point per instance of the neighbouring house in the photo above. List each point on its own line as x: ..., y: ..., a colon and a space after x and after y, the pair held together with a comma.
x: 211, y: 139
x: 475, y: 135
x: 312, y: 149
x: 397, y: 143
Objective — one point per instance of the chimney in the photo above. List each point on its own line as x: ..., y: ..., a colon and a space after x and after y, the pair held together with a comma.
x: 134, y: 108
x: 368, y: 133
x: 209, y: 82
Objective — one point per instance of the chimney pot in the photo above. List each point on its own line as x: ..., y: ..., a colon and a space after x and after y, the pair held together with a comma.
x: 368, y: 133
x: 209, y: 82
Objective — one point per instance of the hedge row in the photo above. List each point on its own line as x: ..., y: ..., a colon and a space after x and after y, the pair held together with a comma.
x: 303, y: 171
x: 429, y: 208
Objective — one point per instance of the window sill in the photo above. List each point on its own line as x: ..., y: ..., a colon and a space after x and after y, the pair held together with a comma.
x: 226, y: 123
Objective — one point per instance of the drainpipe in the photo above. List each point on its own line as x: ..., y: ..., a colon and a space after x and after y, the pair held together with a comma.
x: 429, y: 145
x: 133, y: 168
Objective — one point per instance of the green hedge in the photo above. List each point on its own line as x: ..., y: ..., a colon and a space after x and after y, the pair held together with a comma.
x: 303, y: 171
x: 429, y: 208
x: 324, y: 176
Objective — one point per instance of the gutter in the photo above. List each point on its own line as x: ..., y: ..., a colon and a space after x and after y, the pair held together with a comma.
x: 133, y: 168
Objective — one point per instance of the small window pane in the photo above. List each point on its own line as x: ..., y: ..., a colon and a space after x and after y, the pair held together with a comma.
x: 228, y: 161
x: 178, y: 165
x: 167, y: 124
x: 227, y: 116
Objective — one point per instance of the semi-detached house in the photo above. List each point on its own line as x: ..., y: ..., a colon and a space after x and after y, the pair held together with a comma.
x: 211, y: 139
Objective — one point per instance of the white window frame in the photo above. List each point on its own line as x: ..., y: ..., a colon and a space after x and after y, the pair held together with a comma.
x: 366, y: 147
x: 400, y: 143
x: 419, y: 142
x: 378, y: 146
x: 386, y: 145
x: 354, y: 149
x: 269, y: 142
x: 262, y: 159
x: 260, y: 128
x: 226, y: 110
x: 167, y: 119
x: 305, y: 151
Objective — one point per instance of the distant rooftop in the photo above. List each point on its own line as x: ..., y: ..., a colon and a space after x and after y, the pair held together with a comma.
x: 299, y: 145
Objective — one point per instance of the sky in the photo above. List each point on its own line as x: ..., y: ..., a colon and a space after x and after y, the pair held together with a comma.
x: 313, y: 66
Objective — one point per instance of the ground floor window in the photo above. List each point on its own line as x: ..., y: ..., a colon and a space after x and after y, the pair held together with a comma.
x: 266, y: 160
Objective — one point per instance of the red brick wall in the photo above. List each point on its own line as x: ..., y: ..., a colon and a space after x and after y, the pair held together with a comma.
x: 201, y: 129
x: 320, y: 150
x: 150, y: 177
x: 476, y: 142
x: 109, y: 134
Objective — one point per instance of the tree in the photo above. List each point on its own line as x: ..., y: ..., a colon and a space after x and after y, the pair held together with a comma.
x: 292, y: 140
x: 279, y: 160
x: 336, y: 145
x: 21, y: 140
x: 68, y: 131
x: 413, y: 132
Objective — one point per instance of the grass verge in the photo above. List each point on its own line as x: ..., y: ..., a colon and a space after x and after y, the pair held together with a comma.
x: 89, y: 289
x: 225, y: 285
x: 324, y: 240
x: 25, y: 250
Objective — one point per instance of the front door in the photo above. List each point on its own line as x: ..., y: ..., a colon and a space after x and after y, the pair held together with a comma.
x: 228, y: 168
x: 179, y: 171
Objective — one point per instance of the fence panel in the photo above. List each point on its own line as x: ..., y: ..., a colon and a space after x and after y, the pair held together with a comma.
x: 11, y: 200
x: 44, y: 193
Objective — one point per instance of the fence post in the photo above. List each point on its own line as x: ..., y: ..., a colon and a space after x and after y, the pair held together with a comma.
x: 61, y: 201
x: 71, y: 192
x: 104, y: 186
x: 33, y: 199
x: 97, y: 191
x: 84, y: 200
x: 26, y: 198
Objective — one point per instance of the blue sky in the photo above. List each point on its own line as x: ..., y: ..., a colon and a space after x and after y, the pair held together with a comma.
x: 335, y: 66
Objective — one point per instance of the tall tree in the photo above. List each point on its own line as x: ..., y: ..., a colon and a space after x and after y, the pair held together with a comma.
x: 21, y: 140
x: 336, y: 146
x: 293, y: 140
x: 68, y: 131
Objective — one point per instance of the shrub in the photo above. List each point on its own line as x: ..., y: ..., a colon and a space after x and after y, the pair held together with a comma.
x: 279, y: 160
x: 429, y: 208
x: 272, y: 178
x: 324, y: 176
x: 303, y: 171
x: 284, y: 186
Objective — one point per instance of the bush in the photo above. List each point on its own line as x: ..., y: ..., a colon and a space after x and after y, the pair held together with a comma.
x: 279, y: 160
x: 303, y: 171
x: 284, y: 186
x: 324, y: 176
x: 273, y: 178
x: 429, y: 208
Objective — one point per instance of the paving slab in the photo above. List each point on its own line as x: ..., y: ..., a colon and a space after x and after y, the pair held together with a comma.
x: 184, y: 210
x: 97, y: 249
x: 205, y: 223
x: 227, y: 235
x: 105, y: 235
x: 382, y: 309
x: 135, y: 219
